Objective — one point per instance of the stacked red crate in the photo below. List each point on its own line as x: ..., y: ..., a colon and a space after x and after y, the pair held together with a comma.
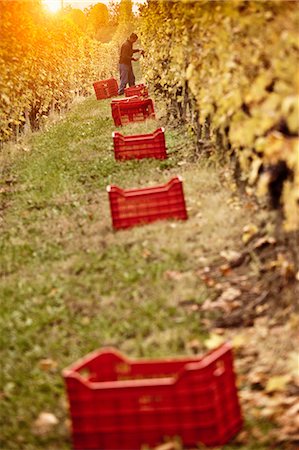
x: 131, y: 109
x: 123, y: 404
x: 140, y: 206
x: 140, y: 146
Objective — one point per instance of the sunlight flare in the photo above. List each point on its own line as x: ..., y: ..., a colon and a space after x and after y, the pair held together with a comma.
x: 52, y: 5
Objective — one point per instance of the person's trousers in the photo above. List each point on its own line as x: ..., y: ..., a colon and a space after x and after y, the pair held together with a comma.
x: 127, y: 76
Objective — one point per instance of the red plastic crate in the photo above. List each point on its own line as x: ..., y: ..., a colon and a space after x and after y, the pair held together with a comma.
x: 121, y: 404
x: 113, y: 87
x: 132, y: 109
x: 105, y: 88
x: 139, y: 89
x: 140, y: 146
x: 140, y: 206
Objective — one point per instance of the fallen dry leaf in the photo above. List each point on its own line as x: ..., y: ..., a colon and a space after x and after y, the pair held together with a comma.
x: 268, y: 412
x: 228, y: 307
x: 258, y: 376
x: 287, y: 434
x: 294, y: 411
x: 239, y: 341
x: 209, y: 281
x: 44, y: 423
x: 294, y: 322
x: 213, y: 341
x: 249, y: 231
x: 146, y: 253
x: 209, y: 305
x: 285, y: 267
x: 230, y: 255
x: 234, y: 258
x: 277, y: 383
x: 263, y: 242
x: 47, y: 364
x: 225, y: 269
x: 174, y: 275
x: 293, y: 364
x: 229, y: 294
x: 289, y: 421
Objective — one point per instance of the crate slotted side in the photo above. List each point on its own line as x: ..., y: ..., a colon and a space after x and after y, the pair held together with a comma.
x: 123, y: 404
x: 140, y: 146
x: 112, y: 87
x: 101, y: 90
x: 115, y: 108
x: 132, y: 110
x: 105, y: 88
x: 139, y: 89
x: 140, y: 206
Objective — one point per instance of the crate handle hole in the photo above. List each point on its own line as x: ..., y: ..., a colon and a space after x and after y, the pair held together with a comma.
x: 85, y: 373
x: 220, y: 368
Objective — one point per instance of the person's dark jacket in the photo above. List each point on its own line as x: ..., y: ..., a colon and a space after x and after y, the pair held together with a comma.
x: 126, y: 53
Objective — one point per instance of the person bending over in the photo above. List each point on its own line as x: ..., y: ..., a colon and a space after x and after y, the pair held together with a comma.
x: 125, y: 63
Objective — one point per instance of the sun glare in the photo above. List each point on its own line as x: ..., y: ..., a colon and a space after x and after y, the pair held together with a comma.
x: 52, y: 5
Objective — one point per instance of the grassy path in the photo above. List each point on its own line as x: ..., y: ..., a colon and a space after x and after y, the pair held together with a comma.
x: 70, y: 284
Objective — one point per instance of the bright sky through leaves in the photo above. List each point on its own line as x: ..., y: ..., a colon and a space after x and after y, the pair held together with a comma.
x: 81, y: 4
x: 52, y: 5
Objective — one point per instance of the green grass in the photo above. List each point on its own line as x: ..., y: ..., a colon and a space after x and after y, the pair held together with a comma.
x: 71, y: 285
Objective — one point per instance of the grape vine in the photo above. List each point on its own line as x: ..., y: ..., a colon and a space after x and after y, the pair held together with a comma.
x: 44, y: 63
x: 231, y: 70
